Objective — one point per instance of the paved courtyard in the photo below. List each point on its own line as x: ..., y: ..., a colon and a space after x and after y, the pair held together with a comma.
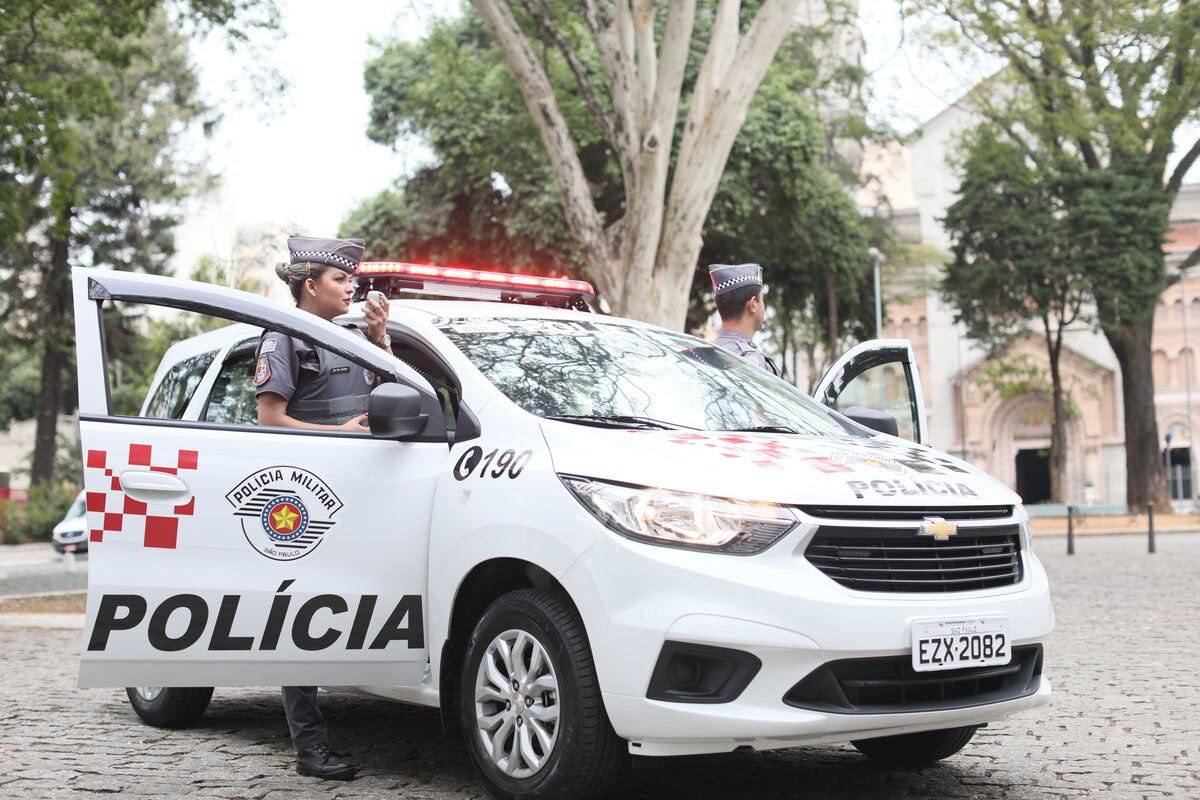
x: 1125, y: 722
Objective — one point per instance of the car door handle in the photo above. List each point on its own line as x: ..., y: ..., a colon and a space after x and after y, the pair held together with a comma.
x: 155, y: 486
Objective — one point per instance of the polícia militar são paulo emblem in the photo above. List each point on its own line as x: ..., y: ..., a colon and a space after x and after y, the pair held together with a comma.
x: 285, y: 512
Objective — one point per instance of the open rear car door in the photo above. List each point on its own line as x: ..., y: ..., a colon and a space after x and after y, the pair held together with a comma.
x: 242, y: 555
x: 881, y: 377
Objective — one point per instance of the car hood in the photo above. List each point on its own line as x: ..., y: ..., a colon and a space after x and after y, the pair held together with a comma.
x: 73, y: 525
x: 780, y: 468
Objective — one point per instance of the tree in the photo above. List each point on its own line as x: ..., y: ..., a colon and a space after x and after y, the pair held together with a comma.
x: 50, y: 84
x: 489, y: 196
x: 1107, y: 86
x: 780, y: 205
x: 628, y: 60
x: 1015, y: 261
x: 93, y: 99
x: 105, y: 199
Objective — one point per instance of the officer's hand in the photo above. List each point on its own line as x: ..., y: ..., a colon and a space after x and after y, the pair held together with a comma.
x: 356, y: 424
x: 376, y: 313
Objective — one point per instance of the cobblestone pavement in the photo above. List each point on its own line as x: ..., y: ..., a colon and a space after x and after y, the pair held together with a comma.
x: 1123, y: 722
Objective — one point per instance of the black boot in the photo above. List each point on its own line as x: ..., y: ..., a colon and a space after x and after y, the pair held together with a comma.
x: 321, y: 762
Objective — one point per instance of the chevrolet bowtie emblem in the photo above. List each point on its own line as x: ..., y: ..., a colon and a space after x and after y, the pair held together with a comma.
x: 938, y: 528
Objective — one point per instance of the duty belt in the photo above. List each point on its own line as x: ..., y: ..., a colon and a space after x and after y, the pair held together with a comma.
x: 337, y: 409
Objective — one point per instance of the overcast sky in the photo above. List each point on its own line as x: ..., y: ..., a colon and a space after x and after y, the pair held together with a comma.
x: 303, y: 158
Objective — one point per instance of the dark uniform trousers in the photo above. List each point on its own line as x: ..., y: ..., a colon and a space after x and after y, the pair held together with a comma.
x: 321, y: 387
x: 304, y: 717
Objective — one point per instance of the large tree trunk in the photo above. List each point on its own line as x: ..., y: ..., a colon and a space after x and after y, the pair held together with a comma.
x: 1058, y: 427
x: 1144, y: 479
x: 56, y: 296
x: 660, y: 295
x: 643, y: 262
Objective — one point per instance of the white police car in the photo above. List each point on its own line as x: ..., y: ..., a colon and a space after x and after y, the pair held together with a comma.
x: 579, y: 536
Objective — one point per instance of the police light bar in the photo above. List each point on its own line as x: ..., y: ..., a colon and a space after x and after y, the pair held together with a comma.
x: 457, y: 276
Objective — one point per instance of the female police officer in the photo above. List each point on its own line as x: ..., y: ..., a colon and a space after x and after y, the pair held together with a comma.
x: 302, y: 386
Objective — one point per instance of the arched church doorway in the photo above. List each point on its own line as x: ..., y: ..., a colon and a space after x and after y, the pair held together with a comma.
x: 1033, y: 475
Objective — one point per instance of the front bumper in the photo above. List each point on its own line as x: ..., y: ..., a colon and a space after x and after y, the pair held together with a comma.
x: 76, y: 541
x: 777, y: 606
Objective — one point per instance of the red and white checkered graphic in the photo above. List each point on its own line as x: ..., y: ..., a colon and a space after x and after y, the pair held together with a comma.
x: 111, y: 511
x: 761, y: 451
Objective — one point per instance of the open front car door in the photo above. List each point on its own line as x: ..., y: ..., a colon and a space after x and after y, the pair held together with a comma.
x: 240, y: 555
x: 874, y: 379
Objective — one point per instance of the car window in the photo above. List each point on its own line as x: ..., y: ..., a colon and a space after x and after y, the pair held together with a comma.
x: 77, y: 509
x: 173, y: 393
x: 232, y: 400
x: 576, y: 367
x: 416, y: 357
x: 884, y: 387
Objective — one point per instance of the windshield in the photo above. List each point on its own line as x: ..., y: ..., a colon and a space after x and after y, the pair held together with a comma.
x: 577, y: 368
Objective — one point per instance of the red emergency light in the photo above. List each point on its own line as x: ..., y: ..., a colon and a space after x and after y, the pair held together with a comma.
x: 457, y: 276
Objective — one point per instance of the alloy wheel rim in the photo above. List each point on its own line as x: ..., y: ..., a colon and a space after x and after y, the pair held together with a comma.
x: 148, y: 693
x: 516, y: 703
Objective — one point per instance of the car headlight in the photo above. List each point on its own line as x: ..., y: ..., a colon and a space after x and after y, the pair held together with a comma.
x: 1023, y: 523
x: 682, y: 519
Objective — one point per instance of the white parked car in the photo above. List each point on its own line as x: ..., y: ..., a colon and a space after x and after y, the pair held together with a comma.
x: 70, y: 535
x: 578, y: 536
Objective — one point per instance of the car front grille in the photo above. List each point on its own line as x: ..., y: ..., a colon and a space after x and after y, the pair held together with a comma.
x: 908, y: 513
x: 902, y: 560
x: 890, y: 685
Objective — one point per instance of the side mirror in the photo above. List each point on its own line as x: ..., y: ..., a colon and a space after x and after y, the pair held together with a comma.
x: 394, y: 411
x: 875, y: 420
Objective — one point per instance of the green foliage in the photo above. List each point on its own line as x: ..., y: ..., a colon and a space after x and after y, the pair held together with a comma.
x: 118, y: 191
x: 779, y: 205
x: 94, y: 98
x: 1118, y: 221
x: 57, y: 62
x: 34, y: 519
x: 490, y: 197
x: 1013, y: 377
x: 1104, y: 88
x: 1016, y: 258
x: 140, y: 344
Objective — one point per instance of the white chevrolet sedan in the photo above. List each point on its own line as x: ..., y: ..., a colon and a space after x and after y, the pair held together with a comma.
x: 581, y: 537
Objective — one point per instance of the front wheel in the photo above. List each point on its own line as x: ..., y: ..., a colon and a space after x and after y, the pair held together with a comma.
x: 917, y: 748
x: 530, y: 702
x: 169, y: 707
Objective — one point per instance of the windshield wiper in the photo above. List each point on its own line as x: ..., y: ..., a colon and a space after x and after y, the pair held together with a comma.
x: 619, y: 420
x: 763, y: 429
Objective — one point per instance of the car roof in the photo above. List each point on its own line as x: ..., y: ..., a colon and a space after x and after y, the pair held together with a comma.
x: 430, y: 311
x: 211, y: 340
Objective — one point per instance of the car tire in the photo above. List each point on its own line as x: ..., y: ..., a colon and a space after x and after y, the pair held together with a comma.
x: 169, y: 707
x: 585, y: 756
x: 917, y: 748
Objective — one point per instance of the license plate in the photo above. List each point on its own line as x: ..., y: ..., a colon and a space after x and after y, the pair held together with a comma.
x: 958, y: 643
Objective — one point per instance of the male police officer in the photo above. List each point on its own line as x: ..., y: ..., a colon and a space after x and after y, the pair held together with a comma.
x: 300, y: 385
x: 739, y: 292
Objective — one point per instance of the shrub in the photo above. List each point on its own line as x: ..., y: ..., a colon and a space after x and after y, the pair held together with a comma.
x: 34, y: 520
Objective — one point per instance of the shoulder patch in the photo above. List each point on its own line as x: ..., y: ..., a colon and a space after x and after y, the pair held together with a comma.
x: 268, y: 346
x: 263, y: 372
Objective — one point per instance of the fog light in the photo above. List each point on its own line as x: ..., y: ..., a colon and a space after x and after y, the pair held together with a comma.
x: 685, y: 672
x: 698, y: 673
